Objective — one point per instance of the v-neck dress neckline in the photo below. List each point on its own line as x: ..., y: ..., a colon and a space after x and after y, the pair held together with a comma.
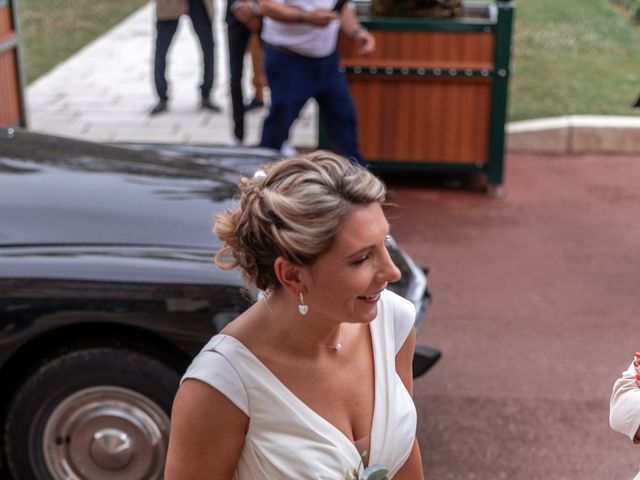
x: 322, y: 423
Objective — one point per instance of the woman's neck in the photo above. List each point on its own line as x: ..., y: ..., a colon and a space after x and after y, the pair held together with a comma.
x: 310, y: 331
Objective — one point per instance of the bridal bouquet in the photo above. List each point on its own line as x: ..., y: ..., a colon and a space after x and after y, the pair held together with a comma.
x: 372, y: 472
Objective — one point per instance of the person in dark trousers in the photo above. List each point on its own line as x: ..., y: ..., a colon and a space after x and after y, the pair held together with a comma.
x: 301, y: 62
x: 168, y: 13
x: 242, y: 20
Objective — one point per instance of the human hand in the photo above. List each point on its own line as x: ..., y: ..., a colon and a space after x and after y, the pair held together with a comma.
x: 365, y: 40
x: 320, y: 17
x: 245, y: 12
x: 242, y: 10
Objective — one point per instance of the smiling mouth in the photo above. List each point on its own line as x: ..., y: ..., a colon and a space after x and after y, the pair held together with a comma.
x: 373, y: 298
x: 370, y: 298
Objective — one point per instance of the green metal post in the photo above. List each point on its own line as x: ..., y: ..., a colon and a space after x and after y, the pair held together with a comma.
x: 504, y: 25
x: 20, y: 65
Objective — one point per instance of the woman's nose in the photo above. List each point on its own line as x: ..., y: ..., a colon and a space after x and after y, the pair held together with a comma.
x: 391, y: 272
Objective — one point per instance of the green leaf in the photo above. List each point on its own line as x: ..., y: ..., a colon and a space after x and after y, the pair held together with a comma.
x: 351, y: 475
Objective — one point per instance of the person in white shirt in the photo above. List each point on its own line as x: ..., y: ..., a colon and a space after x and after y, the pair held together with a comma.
x: 624, y: 411
x: 301, y: 62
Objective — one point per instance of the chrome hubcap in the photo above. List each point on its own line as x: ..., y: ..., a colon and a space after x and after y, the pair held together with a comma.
x: 106, y: 433
x: 111, y: 449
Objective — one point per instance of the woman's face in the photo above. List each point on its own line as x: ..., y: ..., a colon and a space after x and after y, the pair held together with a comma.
x: 345, y: 282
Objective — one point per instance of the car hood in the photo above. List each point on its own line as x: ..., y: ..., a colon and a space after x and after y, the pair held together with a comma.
x: 62, y: 191
x: 86, y: 210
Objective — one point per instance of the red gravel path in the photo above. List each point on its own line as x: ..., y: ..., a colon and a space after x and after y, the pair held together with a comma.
x: 536, y: 300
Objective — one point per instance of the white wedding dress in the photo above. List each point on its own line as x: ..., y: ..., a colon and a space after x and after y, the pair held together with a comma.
x: 286, y: 438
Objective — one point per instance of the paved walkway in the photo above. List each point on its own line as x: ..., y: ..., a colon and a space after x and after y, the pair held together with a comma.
x: 104, y: 92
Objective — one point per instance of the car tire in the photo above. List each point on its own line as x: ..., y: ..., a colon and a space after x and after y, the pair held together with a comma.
x: 92, y: 414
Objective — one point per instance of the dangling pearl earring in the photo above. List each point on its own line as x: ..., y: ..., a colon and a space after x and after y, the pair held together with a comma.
x: 302, y: 308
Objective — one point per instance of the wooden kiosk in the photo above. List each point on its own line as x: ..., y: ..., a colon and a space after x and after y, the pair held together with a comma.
x: 434, y: 94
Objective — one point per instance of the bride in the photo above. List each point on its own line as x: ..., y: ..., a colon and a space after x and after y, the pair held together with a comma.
x: 315, y: 378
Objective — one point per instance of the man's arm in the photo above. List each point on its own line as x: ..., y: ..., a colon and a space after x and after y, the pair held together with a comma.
x: 248, y: 13
x: 352, y: 28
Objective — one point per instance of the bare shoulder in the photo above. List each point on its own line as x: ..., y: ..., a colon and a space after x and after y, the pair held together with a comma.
x: 195, y: 396
x: 207, y: 433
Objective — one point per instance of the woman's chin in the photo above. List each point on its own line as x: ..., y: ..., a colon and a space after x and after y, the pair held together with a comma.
x: 367, y: 308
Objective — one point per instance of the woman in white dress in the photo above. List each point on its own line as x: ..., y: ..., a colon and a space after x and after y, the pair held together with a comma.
x: 315, y: 378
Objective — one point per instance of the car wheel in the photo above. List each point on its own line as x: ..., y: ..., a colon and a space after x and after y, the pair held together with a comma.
x: 99, y: 413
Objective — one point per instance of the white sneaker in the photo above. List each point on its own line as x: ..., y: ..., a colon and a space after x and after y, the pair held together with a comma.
x: 235, y: 142
x: 287, y: 149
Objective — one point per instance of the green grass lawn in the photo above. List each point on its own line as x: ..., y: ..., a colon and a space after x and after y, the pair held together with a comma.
x: 52, y: 30
x: 568, y: 57
x: 573, y: 57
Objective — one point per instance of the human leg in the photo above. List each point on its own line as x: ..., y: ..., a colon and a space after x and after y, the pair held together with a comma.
x: 165, y: 30
x: 259, y: 79
x: 202, y: 25
x: 292, y: 81
x: 238, y: 37
x: 338, y: 111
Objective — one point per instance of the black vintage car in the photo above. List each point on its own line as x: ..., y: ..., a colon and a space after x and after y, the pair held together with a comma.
x: 107, y: 289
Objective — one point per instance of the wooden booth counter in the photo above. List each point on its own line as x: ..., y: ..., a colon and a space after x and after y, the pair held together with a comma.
x: 434, y: 93
x: 12, y: 110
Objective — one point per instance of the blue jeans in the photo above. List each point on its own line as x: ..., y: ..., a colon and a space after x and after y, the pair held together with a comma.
x: 294, y: 79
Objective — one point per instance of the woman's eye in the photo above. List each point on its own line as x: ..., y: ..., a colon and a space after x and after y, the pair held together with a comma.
x: 361, y: 260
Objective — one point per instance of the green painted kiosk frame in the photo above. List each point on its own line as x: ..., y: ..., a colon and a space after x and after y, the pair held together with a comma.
x: 434, y: 94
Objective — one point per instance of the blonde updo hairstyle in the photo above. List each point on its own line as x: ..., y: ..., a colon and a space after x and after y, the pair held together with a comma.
x: 292, y: 208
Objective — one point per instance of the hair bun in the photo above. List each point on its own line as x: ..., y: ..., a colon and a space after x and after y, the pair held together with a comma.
x: 295, y: 215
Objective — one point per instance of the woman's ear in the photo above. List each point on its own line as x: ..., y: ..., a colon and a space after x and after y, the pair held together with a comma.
x: 289, y: 275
